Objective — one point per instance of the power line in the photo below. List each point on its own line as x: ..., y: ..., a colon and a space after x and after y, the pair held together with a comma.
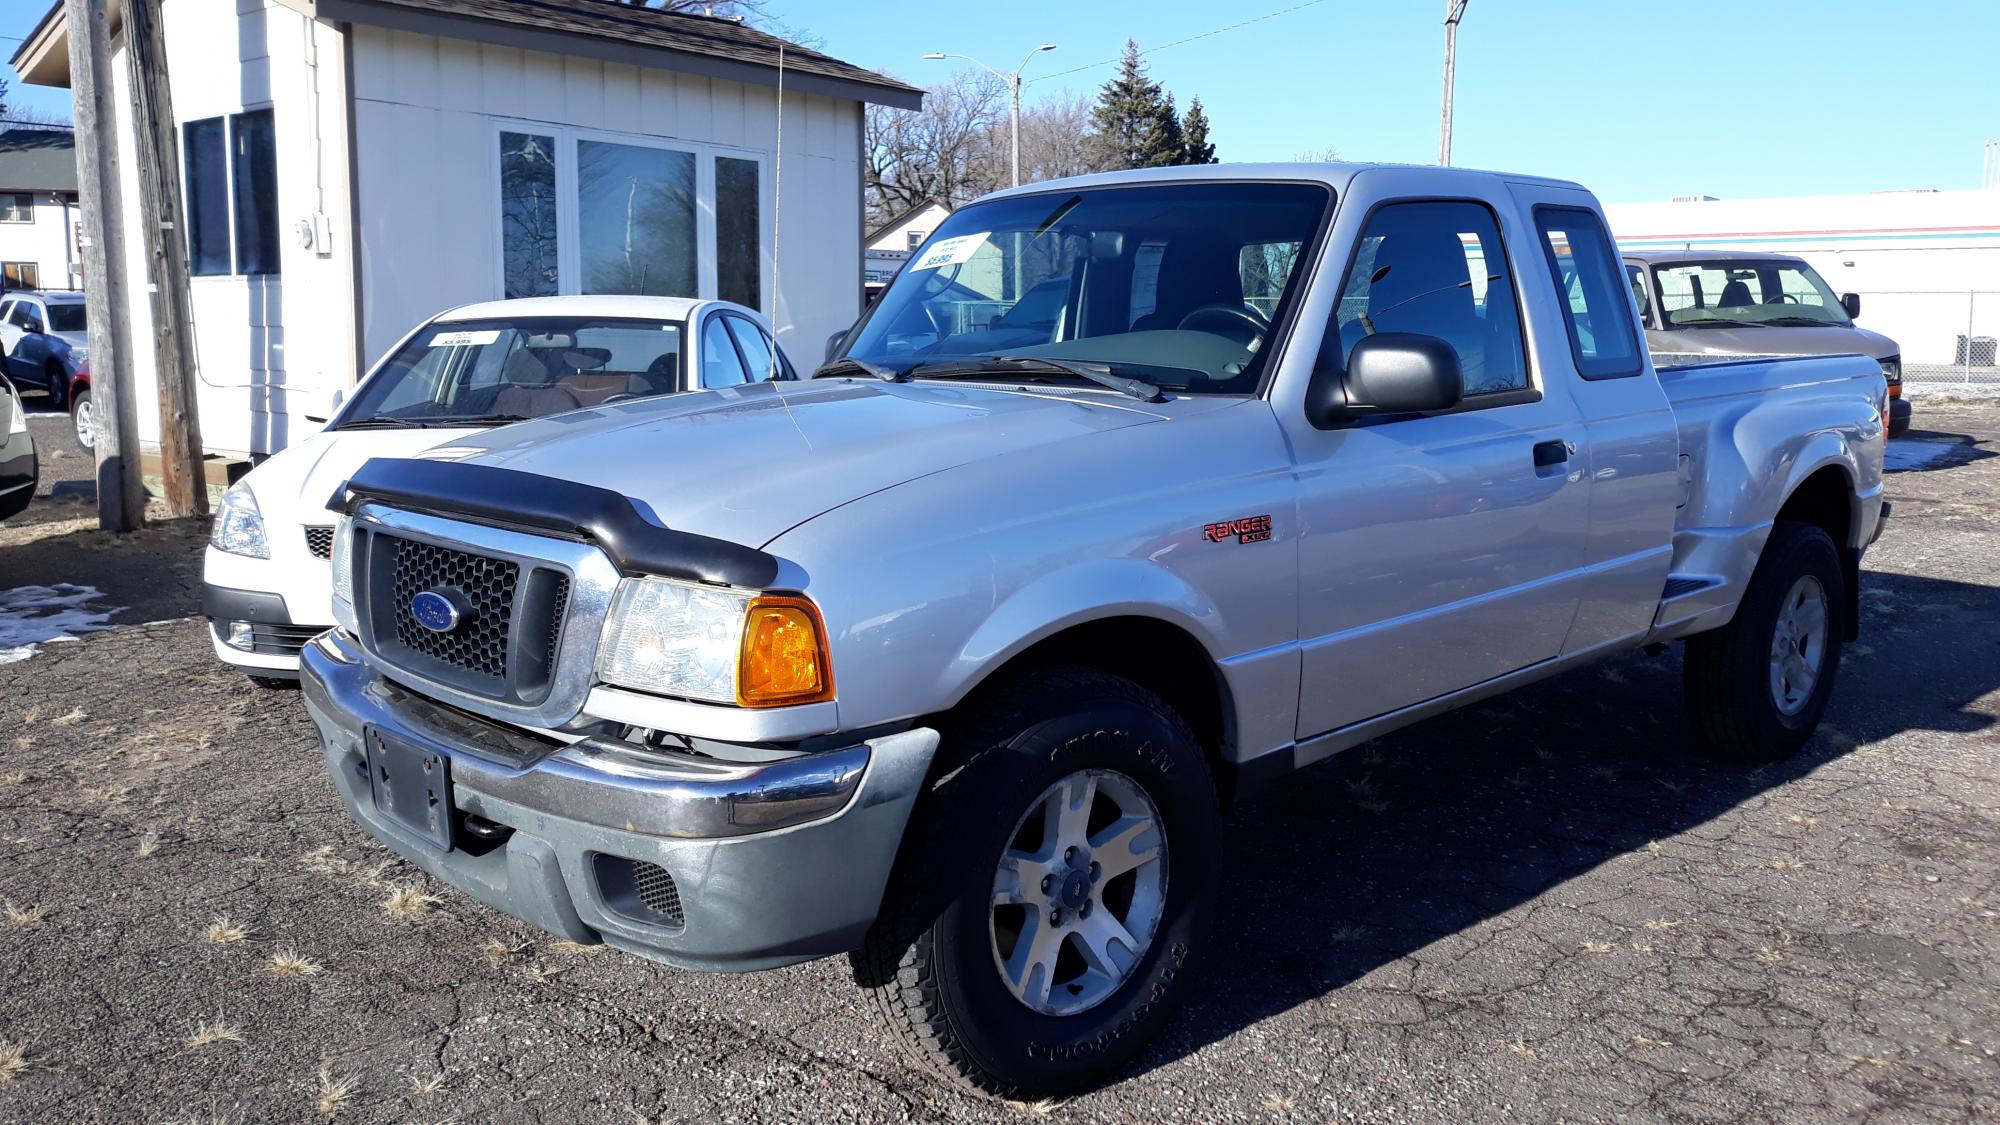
x: 1180, y: 42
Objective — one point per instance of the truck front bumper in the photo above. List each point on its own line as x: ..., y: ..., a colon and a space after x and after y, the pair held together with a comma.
x: 685, y: 859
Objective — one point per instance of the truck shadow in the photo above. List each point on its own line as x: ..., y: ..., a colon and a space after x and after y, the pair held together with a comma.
x: 1364, y: 860
x: 1924, y: 451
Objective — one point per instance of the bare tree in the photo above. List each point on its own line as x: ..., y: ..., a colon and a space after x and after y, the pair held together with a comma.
x: 1055, y: 139
x: 944, y: 151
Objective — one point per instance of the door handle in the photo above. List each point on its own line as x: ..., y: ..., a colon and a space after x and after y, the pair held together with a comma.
x: 1549, y: 453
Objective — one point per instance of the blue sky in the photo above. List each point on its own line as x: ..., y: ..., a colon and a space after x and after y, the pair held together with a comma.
x: 1638, y: 100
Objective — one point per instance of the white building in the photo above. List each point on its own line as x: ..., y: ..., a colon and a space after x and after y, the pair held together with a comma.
x: 351, y: 167
x: 1926, y: 263
x: 38, y: 212
x: 888, y: 246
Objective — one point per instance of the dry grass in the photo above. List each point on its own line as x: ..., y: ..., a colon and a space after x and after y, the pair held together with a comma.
x: 572, y: 948
x: 407, y: 901
x: 1642, y: 1041
x: 224, y: 930
x: 290, y: 963
x: 1787, y: 865
x: 1278, y: 1103
x: 75, y: 716
x: 1653, y: 847
x: 1517, y: 1047
x: 14, y: 778
x: 209, y: 1032
x: 498, y: 951
x: 1658, y: 924
x: 333, y: 1090
x: 13, y: 1060
x: 1042, y: 1108
x: 148, y: 844
x: 421, y: 1087
x: 24, y: 917
x: 542, y: 974
x: 1803, y: 821
x: 1598, y: 947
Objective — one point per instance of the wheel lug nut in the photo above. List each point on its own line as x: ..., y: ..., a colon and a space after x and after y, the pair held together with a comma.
x: 1069, y: 853
x: 1084, y: 912
x: 1055, y: 917
x: 1048, y: 883
x: 1095, y: 871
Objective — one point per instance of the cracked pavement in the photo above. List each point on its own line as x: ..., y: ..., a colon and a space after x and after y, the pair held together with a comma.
x: 1538, y: 908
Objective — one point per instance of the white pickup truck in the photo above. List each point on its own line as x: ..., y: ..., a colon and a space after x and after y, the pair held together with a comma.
x: 1132, y: 491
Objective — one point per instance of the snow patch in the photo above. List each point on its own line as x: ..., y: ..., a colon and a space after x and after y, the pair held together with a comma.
x: 1901, y: 456
x: 31, y: 616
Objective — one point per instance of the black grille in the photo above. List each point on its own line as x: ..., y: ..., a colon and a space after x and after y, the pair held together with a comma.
x: 479, y: 645
x: 656, y: 889
x: 319, y: 540
x: 560, y: 594
x: 641, y: 891
x: 276, y: 640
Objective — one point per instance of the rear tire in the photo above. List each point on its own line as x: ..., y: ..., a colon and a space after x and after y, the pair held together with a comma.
x: 57, y: 381
x: 1756, y: 688
x: 83, y: 419
x: 998, y: 959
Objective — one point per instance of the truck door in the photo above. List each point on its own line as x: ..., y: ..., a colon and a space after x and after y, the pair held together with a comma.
x: 1631, y: 440
x: 1436, y: 551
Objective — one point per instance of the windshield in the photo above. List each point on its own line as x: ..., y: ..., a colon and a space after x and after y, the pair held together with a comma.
x: 1177, y: 285
x: 66, y: 318
x: 480, y: 371
x: 1728, y: 294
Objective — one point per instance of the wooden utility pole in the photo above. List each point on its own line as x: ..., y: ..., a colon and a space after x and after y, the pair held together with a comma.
x: 166, y: 262
x: 1454, y: 10
x: 121, y: 499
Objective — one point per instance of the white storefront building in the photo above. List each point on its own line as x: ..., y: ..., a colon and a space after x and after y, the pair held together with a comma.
x: 1926, y: 263
x: 351, y: 167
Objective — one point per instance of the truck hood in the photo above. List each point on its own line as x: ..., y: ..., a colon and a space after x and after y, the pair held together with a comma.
x: 1772, y: 340
x: 748, y: 463
x: 293, y: 486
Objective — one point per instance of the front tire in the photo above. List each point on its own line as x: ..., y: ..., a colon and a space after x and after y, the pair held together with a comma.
x: 1052, y: 888
x: 57, y: 381
x: 83, y: 419
x: 1757, y: 687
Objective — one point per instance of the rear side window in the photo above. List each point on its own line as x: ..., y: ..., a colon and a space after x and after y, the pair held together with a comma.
x: 1596, y: 300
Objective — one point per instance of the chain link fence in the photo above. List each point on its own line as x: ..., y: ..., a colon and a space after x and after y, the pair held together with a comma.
x: 1948, y: 337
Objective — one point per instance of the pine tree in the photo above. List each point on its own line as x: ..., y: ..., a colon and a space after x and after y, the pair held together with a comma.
x: 1195, y: 145
x: 1134, y: 120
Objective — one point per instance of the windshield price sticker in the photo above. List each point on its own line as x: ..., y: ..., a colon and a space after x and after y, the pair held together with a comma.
x: 464, y: 339
x: 951, y: 251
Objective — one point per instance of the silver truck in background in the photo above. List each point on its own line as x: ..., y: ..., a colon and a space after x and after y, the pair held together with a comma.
x: 1703, y: 305
x: 1133, y: 492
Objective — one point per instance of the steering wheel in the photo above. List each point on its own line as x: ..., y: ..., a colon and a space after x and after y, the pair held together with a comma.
x: 1235, y: 316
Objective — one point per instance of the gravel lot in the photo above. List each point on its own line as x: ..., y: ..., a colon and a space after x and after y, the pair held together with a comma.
x: 1536, y: 909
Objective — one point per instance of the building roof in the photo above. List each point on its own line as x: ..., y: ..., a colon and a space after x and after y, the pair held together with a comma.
x: 602, y: 29
x: 908, y: 213
x: 34, y: 159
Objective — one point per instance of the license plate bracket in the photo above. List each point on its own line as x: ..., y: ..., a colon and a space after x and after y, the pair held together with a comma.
x: 411, y: 786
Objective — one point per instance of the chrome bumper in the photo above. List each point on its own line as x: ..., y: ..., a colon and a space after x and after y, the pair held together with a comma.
x: 773, y: 862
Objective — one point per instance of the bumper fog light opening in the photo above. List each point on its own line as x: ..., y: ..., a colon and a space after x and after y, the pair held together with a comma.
x: 240, y: 636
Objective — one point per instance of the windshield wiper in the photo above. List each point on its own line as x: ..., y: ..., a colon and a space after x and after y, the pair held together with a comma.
x: 1709, y: 320
x: 853, y: 365
x: 1099, y: 373
x: 1797, y: 322
x: 386, y: 422
x: 479, y: 419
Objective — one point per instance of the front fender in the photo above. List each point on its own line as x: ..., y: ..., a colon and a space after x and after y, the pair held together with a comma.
x: 1087, y: 591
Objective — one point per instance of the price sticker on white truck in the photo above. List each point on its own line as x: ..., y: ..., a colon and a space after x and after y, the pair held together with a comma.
x: 464, y: 339
x: 951, y: 251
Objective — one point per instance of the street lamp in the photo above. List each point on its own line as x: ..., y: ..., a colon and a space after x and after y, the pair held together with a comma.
x: 1013, y: 81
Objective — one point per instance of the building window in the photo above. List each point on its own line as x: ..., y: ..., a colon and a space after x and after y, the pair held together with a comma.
x: 21, y: 275
x: 17, y: 208
x: 528, y: 237
x: 256, y: 191
x: 232, y: 194
x: 636, y: 208
x: 587, y: 212
x: 917, y: 238
x: 207, y: 158
x: 738, y: 244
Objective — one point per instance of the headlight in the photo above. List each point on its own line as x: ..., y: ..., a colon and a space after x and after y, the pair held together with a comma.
x: 342, y: 560
x: 1892, y: 369
x: 715, y: 645
x: 239, y: 527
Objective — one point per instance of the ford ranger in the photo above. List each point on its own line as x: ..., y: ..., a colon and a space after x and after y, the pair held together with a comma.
x: 1132, y: 493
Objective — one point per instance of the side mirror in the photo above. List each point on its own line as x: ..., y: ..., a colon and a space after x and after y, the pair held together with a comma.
x: 32, y: 327
x: 1387, y: 373
x: 833, y: 341
x: 1852, y: 303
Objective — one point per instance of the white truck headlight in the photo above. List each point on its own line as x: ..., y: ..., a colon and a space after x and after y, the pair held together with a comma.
x: 716, y: 645
x: 239, y: 526
x: 342, y: 563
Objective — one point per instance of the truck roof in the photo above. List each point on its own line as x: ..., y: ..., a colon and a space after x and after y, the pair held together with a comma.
x: 1333, y: 173
x: 1674, y: 257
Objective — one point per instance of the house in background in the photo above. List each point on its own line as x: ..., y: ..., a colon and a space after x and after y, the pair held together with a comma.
x: 887, y: 247
x: 38, y: 214
x: 351, y: 167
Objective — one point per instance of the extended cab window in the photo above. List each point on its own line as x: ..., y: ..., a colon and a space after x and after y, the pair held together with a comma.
x: 1596, y: 301
x: 1438, y: 269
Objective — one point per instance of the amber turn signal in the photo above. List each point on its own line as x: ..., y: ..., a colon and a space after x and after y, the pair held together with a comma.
x: 784, y: 654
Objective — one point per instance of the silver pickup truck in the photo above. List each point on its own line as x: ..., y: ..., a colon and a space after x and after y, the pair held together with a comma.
x: 1133, y: 492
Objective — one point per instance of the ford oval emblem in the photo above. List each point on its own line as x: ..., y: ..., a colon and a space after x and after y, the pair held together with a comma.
x: 435, y: 611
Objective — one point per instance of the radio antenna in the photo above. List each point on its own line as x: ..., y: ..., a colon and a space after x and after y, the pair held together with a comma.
x: 777, y: 210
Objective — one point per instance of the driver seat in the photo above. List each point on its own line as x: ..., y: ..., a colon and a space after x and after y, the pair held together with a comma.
x: 1194, y: 271
x: 528, y: 390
